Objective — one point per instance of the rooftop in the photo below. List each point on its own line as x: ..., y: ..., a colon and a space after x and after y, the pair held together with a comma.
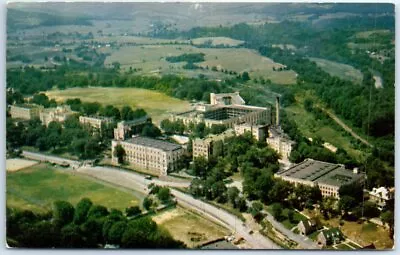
x: 321, y: 172
x: 29, y: 106
x: 153, y: 143
x: 135, y: 121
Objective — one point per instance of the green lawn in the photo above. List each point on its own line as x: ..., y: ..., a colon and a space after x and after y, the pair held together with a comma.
x: 37, y: 187
x: 157, y: 104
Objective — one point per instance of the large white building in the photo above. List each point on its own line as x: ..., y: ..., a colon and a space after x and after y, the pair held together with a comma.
x: 328, y: 177
x: 225, y: 109
x: 126, y: 129
x: 280, y: 142
x: 203, y: 147
x: 58, y: 114
x: 259, y: 132
x: 25, y: 111
x: 150, y: 154
x: 96, y: 122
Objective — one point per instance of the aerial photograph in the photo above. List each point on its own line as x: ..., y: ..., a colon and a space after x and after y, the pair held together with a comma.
x: 150, y: 125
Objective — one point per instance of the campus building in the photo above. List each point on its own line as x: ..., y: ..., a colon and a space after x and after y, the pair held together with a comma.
x: 280, y: 142
x: 96, y: 122
x: 327, y: 176
x: 126, y: 129
x: 259, y: 132
x: 225, y: 109
x: 203, y: 147
x: 58, y: 114
x: 150, y: 154
x: 381, y: 196
x: 25, y: 111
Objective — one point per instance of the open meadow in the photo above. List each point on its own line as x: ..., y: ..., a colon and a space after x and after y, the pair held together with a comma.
x: 151, y: 59
x: 158, y: 105
x: 37, y: 187
x: 189, y: 227
x: 340, y: 70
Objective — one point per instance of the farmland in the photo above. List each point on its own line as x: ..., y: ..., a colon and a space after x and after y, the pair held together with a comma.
x: 151, y: 59
x: 189, y: 227
x: 340, y: 70
x: 37, y: 187
x: 158, y: 105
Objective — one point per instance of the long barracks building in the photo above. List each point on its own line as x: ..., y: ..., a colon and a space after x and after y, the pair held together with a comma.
x: 150, y: 154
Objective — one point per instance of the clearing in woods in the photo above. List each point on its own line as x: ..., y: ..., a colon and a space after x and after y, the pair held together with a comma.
x: 37, y: 187
x: 151, y: 60
x: 190, y: 228
x: 340, y: 70
x: 158, y: 105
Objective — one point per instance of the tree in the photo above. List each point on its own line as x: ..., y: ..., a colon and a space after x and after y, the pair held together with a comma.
x: 147, y: 203
x: 132, y: 211
x: 63, y: 212
x: 277, y: 211
x: 240, y: 203
x: 308, y: 105
x: 116, y: 231
x: 71, y: 237
x: 388, y: 218
x: 164, y: 194
x: 245, y: 76
x: 256, y: 209
x: 81, y: 211
x: 290, y: 215
x: 233, y: 193
x: 346, y: 203
x: 199, y: 166
x: 119, y: 152
x: 97, y: 211
x: 150, y: 130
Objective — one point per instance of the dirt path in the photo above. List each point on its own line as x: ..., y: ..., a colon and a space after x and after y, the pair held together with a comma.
x: 345, y: 127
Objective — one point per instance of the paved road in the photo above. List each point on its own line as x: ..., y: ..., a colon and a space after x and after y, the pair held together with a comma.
x: 138, y: 182
x: 303, y: 241
x: 51, y: 159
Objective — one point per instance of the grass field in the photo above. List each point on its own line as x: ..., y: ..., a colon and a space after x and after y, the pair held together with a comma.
x: 189, y: 227
x: 158, y: 105
x: 340, y: 70
x: 151, y: 59
x: 217, y: 41
x: 37, y: 187
x: 311, y: 127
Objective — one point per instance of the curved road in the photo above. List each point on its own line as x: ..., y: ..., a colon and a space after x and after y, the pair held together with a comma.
x: 138, y: 182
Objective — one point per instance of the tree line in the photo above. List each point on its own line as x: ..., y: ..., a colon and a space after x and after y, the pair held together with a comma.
x: 86, y: 225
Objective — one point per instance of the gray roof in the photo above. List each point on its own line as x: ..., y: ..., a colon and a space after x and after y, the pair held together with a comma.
x: 153, y: 143
x: 136, y: 121
x: 321, y: 172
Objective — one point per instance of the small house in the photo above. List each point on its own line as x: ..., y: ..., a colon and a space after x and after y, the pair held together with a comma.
x: 330, y: 237
x: 306, y: 227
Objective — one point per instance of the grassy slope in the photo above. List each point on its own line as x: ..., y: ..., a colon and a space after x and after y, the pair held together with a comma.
x: 151, y: 58
x: 309, y: 126
x: 158, y: 105
x: 340, y: 70
x: 37, y: 187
